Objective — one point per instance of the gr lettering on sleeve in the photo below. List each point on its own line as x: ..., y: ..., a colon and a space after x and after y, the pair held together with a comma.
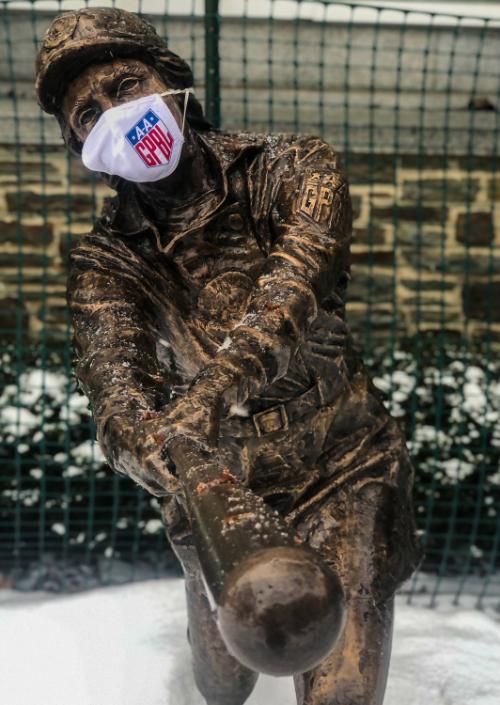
x: 316, y: 197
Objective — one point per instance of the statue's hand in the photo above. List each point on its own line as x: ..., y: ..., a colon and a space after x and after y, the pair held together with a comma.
x: 192, y: 419
x: 139, y: 445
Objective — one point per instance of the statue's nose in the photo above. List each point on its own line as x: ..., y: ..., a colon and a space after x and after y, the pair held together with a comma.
x: 106, y: 102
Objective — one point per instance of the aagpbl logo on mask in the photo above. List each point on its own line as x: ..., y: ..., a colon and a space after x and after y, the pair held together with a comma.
x: 146, y: 126
x: 151, y: 139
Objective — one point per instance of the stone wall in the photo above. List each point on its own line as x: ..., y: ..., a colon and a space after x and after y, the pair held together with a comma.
x: 46, y: 202
x: 426, y: 253
x: 427, y: 246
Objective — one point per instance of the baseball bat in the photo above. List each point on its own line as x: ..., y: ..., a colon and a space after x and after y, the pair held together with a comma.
x: 280, y: 608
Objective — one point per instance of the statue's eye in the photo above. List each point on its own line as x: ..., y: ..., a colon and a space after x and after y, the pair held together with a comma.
x: 127, y: 85
x: 86, y: 116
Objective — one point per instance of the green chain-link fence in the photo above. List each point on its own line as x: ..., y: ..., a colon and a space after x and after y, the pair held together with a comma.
x: 411, y: 100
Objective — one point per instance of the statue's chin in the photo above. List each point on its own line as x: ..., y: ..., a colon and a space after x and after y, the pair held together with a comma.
x: 161, y: 184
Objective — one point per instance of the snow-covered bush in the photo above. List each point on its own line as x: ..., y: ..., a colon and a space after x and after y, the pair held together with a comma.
x: 448, y: 401
x: 58, y: 500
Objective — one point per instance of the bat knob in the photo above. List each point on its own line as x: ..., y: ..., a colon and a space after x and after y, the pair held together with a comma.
x: 281, y: 611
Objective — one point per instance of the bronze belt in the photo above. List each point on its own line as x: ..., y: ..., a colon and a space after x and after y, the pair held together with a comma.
x: 276, y: 418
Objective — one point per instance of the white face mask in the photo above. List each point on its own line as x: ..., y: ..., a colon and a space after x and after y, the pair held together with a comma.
x: 139, y: 140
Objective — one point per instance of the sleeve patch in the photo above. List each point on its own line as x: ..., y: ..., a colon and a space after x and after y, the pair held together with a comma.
x: 316, y: 197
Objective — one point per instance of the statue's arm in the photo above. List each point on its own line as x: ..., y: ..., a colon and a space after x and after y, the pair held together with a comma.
x: 310, y: 219
x: 116, y: 364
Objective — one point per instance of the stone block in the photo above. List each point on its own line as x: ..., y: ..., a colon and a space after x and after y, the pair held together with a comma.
x: 29, y: 172
x: 381, y: 258
x: 423, y: 259
x: 475, y: 229
x: 477, y: 163
x: 474, y: 263
x: 484, y: 335
x: 441, y: 190
x: 427, y: 161
x: 76, y: 205
x: 408, y: 213
x: 431, y: 315
x: 56, y: 277
x: 494, y: 188
x: 454, y: 262
x: 369, y: 235
x: 428, y: 284
x: 356, y: 206
x: 35, y: 295
x: 481, y: 300
x: 24, y: 259
x: 374, y: 286
x: 370, y: 169
x: 419, y: 233
x: 425, y: 302
x: 54, y: 313
x: 13, y: 317
x: 379, y: 322
x: 58, y: 150
x: 26, y: 234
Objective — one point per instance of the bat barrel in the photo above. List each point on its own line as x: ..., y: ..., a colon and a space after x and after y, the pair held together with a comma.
x: 280, y: 608
x: 281, y: 611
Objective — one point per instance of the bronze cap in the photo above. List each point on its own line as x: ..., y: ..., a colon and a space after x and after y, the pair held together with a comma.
x: 76, y: 39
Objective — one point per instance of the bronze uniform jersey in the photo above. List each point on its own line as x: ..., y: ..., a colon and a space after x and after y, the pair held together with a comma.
x: 249, y: 277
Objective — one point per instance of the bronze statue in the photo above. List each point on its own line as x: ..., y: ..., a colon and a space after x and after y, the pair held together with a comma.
x: 209, y: 324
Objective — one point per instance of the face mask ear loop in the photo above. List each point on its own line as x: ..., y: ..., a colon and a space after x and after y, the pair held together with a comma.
x: 186, y: 98
x: 186, y: 92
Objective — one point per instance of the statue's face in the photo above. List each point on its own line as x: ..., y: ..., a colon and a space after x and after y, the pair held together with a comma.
x: 103, y: 86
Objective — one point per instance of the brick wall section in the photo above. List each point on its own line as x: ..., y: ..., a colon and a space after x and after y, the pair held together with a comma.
x: 427, y: 245
x: 46, y: 202
x: 426, y: 253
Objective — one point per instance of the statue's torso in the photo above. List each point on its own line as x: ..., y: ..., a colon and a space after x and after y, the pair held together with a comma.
x: 210, y: 272
x: 316, y: 427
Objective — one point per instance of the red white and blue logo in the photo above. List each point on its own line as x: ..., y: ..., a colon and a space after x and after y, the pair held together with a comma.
x: 151, y: 139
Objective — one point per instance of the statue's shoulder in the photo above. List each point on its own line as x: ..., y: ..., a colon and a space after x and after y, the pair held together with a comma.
x: 99, y: 247
x: 270, y: 150
x: 302, y: 149
x: 291, y: 155
x: 289, y: 158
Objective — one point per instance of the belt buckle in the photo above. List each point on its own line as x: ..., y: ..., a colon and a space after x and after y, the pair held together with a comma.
x: 271, y: 420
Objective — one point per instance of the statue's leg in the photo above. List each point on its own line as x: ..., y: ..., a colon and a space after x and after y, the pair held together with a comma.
x: 220, y: 678
x: 354, y: 532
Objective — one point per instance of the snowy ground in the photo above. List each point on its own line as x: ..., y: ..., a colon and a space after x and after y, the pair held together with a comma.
x: 126, y: 646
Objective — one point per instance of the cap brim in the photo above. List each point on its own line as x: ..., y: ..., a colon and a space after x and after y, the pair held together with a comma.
x: 67, y: 63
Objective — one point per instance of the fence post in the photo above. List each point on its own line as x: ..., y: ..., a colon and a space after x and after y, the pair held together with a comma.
x: 212, y: 62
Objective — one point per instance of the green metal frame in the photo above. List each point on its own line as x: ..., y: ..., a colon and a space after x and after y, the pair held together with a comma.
x: 70, y: 513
